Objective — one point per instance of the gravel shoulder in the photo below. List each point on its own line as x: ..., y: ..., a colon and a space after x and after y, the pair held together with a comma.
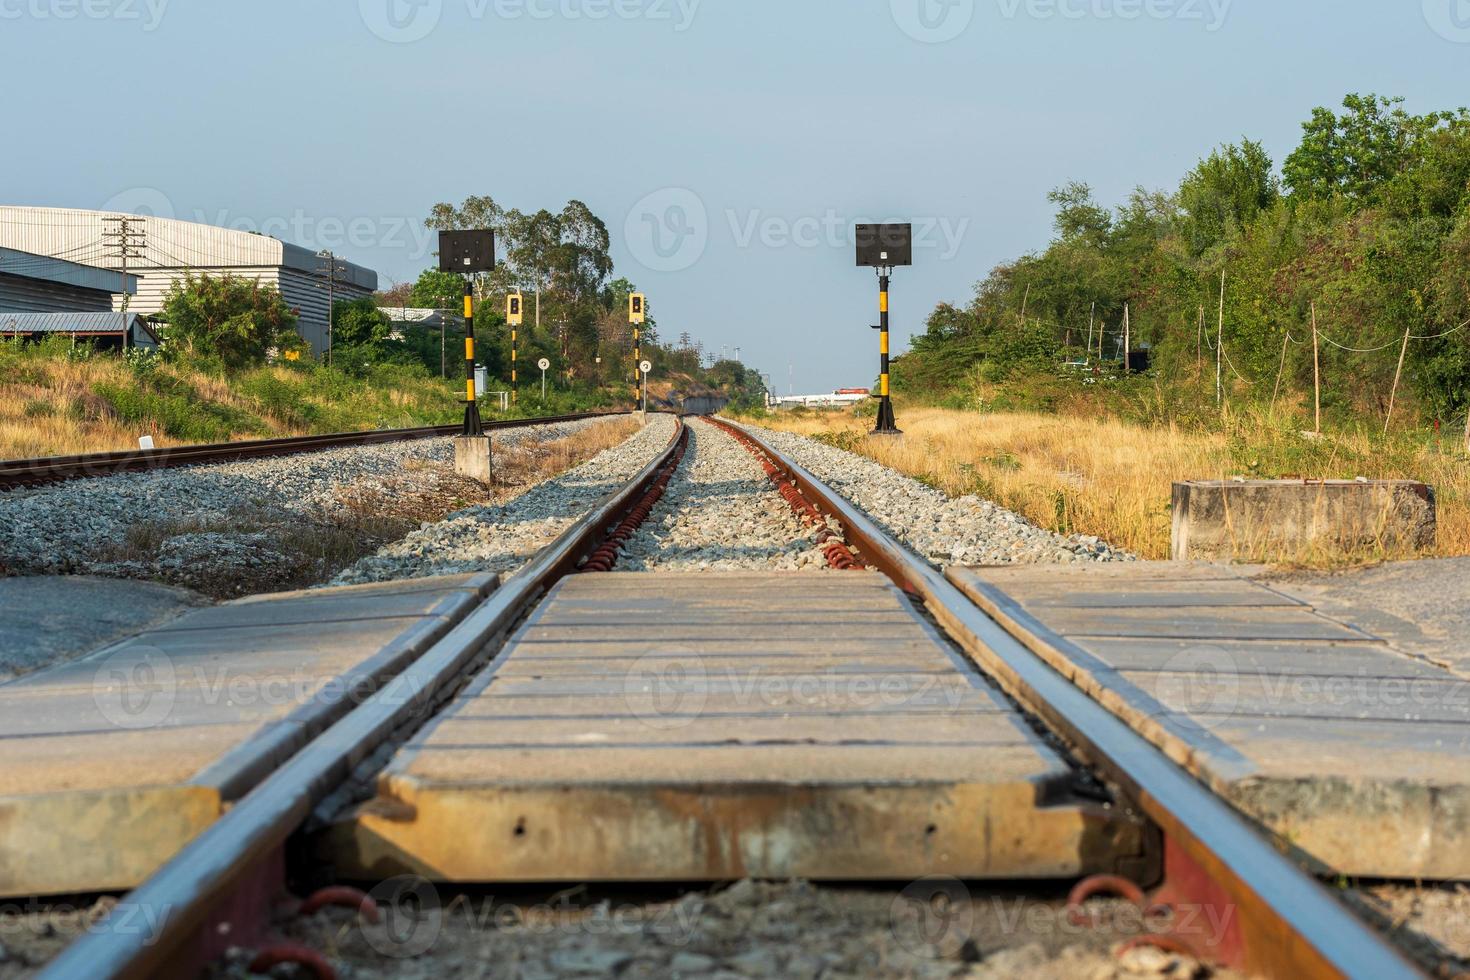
x: 501, y: 537
x: 933, y: 929
x: 947, y: 531
x: 244, y: 527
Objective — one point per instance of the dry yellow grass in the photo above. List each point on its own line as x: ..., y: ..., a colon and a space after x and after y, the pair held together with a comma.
x: 1114, y: 479
x: 50, y: 410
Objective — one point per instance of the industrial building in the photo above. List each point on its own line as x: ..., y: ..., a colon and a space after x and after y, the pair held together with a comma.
x: 104, y: 329
x: 31, y: 283
x: 161, y: 251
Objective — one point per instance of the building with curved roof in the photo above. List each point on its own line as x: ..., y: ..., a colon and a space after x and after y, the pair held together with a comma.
x: 164, y: 250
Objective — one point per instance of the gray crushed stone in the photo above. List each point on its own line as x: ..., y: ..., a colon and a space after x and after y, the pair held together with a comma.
x: 503, y: 536
x: 946, y: 530
x: 69, y: 528
x: 721, y: 513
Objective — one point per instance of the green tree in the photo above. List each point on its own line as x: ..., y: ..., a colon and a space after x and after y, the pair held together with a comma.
x: 437, y: 290
x: 1357, y: 153
x: 359, y: 323
x: 1224, y: 193
x: 233, y: 319
x: 1079, y: 217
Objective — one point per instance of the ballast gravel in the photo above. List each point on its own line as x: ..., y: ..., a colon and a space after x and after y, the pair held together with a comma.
x: 721, y: 513
x: 80, y: 527
x: 947, y: 531
x: 503, y: 536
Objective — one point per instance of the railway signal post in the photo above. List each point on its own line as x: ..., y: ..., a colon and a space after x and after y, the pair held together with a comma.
x: 884, y: 248
x: 514, y: 315
x: 468, y: 253
x: 637, y: 316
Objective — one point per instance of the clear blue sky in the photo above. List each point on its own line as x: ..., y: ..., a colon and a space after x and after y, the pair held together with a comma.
x: 748, y: 133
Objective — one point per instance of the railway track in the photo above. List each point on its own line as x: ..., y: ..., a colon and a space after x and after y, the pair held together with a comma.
x: 1287, y: 922
x: 18, y: 473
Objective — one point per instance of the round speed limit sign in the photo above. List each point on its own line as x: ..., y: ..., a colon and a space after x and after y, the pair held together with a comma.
x: 543, y: 364
x: 645, y: 366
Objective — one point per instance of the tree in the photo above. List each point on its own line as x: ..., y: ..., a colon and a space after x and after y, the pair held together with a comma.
x: 436, y: 289
x: 401, y: 294
x: 359, y: 323
x: 234, y: 319
x: 1357, y: 153
x: 1224, y: 193
x: 1078, y: 216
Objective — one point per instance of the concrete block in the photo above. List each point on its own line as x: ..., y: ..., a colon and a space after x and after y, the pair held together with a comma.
x: 472, y: 457
x: 1265, y: 520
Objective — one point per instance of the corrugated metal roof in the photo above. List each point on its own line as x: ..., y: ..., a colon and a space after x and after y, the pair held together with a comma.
x: 71, y: 323
x: 77, y: 236
x: 412, y: 314
x: 14, y: 262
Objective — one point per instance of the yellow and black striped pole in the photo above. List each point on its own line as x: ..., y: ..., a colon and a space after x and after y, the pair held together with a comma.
x: 513, y: 317
x: 472, y: 424
x: 637, y: 315
x: 886, y: 422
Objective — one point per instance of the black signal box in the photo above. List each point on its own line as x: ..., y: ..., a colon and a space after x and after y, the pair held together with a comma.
x: 885, y: 246
x: 467, y: 251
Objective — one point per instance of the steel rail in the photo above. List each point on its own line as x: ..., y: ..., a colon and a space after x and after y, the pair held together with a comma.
x: 53, y: 469
x: 1292, y: 925
x: 183, y: 893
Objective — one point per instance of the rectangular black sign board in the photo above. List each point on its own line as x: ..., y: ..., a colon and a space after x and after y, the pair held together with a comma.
x: 885, y: 245
x: 467, y: 251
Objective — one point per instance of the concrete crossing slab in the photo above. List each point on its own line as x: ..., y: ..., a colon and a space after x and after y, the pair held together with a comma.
x: 1354, y: 752
x: 647, y: 748
x: 115, y: 761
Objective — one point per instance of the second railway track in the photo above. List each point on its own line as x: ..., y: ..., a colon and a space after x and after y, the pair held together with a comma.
x: 15, y: 473
x: 464, y: 764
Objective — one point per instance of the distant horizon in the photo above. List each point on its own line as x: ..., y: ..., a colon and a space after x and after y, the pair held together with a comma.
x: 726, y: 146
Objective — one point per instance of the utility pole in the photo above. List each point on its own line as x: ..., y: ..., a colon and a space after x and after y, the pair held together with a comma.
x: 331, y: 287
x: 1091, y: 320
x: 126, y: 238
x: 1127, y: 341
x: 1316, y: 373
x: 443, y: 328
x: 1220, y: 347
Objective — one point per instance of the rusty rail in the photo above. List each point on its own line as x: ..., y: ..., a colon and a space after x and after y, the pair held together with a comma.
x: 184, y: 895
x: 1289, y: 923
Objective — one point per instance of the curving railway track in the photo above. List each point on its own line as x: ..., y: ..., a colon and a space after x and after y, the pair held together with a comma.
x: 1287, y: 922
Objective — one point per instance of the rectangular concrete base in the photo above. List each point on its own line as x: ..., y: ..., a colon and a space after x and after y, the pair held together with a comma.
x: 472, y: 457
x: 1273, y: 520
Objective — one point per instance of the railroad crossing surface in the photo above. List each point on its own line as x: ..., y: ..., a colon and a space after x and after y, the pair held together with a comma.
x: 1355, y: 752
x: 115, y: 761
x: 658, y: 726
x: 716, y: 726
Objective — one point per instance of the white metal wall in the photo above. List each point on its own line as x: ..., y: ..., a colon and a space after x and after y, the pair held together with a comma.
x: 23, y: 294
x: 174, y: 248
